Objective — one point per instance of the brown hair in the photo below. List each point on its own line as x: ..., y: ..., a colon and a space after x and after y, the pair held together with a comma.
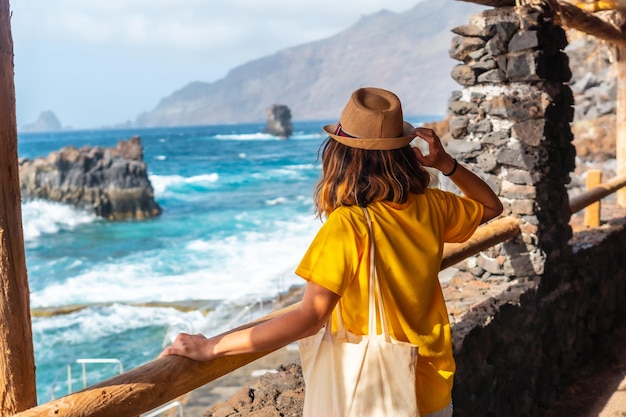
x: 352, y: 176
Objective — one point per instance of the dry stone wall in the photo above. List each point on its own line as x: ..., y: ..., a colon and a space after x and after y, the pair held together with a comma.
x: 510, y: 124
x: 517, y: 351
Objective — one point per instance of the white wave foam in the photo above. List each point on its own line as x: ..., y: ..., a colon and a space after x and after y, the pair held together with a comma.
x: 161, y: 182
x: 164, y: 183
x: 246, y: 264
x: 276, y: 201
x: 245, y: 136
x: 199, y: 179
x: 43, y: 217
x: 95, y: 323
x: 276, y: 173
x: 299, y: 135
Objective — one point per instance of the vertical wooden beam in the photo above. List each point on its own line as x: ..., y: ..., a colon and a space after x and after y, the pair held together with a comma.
x: 18, y: 391
x: 592, y: 212
x: 620, y: 118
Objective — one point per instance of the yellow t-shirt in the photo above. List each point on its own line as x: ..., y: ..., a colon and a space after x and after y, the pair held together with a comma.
x: 409, y: 241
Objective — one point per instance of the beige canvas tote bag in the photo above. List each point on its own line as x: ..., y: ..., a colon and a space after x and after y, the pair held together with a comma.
x: 352, y: 375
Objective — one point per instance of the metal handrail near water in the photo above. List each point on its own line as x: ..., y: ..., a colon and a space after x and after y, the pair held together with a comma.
x: 151, y: 385
x: 246, y: 311
x: 166, y: 407
x: 186, y: 326
x: 83, y: 362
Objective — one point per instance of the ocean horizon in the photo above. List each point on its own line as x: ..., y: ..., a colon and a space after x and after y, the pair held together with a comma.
x: 237, y: 218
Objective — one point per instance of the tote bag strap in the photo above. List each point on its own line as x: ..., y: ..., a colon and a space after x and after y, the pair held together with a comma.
x: 374, y: 291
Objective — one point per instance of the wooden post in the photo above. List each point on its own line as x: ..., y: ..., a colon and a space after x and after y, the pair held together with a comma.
x: 592, y: 212
x: 620, y: 118
x: 17, y: 361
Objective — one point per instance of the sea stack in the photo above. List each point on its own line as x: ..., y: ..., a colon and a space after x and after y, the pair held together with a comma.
x: 279, y: 121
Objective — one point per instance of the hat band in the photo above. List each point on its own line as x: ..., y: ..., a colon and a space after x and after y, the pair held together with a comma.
x: 339, y: 132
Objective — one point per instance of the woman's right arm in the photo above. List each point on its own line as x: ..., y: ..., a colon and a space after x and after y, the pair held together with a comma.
x: 304, y: 320
x: 469, y: 183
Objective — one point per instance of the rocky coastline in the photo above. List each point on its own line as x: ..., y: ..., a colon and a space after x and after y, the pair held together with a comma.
x: 112, y: 183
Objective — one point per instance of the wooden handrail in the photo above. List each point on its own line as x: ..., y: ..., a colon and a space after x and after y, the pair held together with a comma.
x: 584, y: 199
x: 484, y: 237
x: 148, y: 386
x: 151, y: 385
x: 155, y: 383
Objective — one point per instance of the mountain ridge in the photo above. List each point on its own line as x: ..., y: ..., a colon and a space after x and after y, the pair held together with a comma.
x: 405, y: 52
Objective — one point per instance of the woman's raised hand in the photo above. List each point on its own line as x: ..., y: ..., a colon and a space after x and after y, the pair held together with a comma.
x: 437, y: 157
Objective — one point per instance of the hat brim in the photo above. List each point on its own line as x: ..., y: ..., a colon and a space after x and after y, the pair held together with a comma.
x: 382, y: 144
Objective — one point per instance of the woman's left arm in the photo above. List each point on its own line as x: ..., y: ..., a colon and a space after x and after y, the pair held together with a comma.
x: 305, y: 320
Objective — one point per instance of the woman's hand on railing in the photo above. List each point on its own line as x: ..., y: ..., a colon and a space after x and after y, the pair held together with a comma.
x: 192, y: 346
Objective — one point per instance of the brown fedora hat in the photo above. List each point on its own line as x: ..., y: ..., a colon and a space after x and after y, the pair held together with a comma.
x: 372, y: 119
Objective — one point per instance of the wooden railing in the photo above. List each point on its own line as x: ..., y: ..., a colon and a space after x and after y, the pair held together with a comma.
x: 151, y: 385
x: 595, y: 193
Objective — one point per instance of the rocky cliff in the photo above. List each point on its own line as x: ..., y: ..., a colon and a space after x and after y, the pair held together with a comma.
x: 404, y: 52
x: 110, y: 182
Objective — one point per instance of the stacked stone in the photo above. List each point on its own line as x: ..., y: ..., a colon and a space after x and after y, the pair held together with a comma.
x: 510, y: 124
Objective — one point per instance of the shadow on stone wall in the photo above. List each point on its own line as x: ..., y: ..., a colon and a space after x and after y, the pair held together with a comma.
x: 537, y: 333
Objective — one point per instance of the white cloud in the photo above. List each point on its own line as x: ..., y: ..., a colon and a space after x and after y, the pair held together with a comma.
x: 190, y: 24
x: 146, y: 49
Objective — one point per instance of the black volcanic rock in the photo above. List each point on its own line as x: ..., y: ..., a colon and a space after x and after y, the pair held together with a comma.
x: 279, y: 121
x: 110, y: 182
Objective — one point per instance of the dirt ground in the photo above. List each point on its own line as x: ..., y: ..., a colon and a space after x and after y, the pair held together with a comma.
x: 599, y: 387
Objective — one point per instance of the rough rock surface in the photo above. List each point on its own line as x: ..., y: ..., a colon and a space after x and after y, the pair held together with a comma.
x: 279, y: 121
x: 110, y: 182
x: 279, y: 394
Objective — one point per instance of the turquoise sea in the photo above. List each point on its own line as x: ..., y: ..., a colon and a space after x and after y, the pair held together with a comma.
x: 237, y: 217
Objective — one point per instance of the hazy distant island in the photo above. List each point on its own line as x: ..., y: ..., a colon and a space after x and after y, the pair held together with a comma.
x: 46, y: 122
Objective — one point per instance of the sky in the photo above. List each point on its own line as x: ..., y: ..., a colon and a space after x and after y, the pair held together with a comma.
x: 98, y: 63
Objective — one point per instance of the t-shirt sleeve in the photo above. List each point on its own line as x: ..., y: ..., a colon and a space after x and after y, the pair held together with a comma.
x: 462, y: 216
x: 332, y: 259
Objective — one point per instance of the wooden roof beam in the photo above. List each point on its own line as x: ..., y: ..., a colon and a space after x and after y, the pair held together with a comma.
x: 591, y: 24
x: 493, y: 3
x: 576, y: 18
